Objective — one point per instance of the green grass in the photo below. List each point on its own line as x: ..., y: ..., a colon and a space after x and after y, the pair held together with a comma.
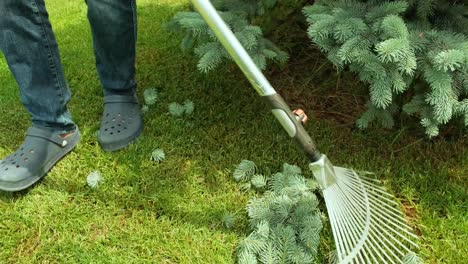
x: 172, y: 212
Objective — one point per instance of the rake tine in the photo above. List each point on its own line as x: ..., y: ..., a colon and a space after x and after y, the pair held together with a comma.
x: 361, y: 257
x: 382, y: 251
x: 386, y: 206
x: 396, y: 241
x: 390, y: 221
x: 333, y: 223
x: 341, y: 222
x: 399, y: 219
x: 367, y: 223
x: 399, y: 234
x: 370, y: 253
x: 372, y: 186
x: 369, y: 178
x: 377, y: 251
x: 348, y: 215
x: 377, y: 201
x: 351, y: 203
x: 374, y: 231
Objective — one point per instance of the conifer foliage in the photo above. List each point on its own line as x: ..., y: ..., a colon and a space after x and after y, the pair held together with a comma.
x: 238, y: 15
x: 285, y: 220
x: 411, y: 53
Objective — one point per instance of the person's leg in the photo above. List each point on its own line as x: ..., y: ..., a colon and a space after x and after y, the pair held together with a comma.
x: 29, y: 46
x: 114, y: 27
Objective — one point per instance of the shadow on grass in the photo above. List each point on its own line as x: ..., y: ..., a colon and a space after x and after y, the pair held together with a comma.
x: 163, y: 194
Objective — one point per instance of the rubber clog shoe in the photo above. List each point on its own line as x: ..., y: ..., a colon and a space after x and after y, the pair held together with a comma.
x: 40, y: 151
x: 121, y: 122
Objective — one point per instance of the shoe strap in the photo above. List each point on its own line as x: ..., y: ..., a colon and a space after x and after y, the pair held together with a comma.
x: 47, y: 135
x: 120, y: 99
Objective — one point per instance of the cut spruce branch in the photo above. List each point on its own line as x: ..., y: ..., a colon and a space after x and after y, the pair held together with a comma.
x: 284, y: 218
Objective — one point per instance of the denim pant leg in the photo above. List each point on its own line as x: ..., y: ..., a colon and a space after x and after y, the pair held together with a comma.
x: 29, y: 46
x: 114, y: 27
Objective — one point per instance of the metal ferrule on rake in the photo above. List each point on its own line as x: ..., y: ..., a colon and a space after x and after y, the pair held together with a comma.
x: 367, y: 225
x: 324, y: 172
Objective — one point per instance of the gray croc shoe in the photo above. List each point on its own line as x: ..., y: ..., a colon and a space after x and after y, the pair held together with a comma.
x: 121, y: 122
x: 40, y: 151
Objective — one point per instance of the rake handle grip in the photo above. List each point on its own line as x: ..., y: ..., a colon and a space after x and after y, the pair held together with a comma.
x: 293, y: 126
x: 259, y: 82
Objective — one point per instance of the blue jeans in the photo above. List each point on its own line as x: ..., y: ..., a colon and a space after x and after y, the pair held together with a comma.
x: 31, y: 51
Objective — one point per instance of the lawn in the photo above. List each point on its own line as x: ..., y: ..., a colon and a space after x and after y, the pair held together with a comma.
x: 170, y: 212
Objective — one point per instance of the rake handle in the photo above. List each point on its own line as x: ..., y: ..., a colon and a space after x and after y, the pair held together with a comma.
x: 280, y: 109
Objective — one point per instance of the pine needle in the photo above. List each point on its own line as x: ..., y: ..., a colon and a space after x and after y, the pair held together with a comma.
x: 94, y: 179
x: 158, y: 155
x: 246, y: 187
x: 144, y: 109
x: 150, y: 96
x: 244, y: 171
x: 229, y: 219
x: 176, y: 109
x: 189, y: 107
x: 259, y: 181
x: 412, y: 258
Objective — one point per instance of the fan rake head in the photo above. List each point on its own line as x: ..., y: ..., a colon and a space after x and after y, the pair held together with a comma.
x: 366, y: 222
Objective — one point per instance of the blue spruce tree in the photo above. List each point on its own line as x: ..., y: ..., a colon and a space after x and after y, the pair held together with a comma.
x: 410, y: 51
x: 413, y: 55
x: 238, y: 14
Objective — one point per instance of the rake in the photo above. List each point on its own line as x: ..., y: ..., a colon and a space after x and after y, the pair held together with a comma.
x: 367, y: 224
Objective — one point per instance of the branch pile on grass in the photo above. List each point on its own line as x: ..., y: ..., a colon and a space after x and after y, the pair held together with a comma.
x: 284, y: 217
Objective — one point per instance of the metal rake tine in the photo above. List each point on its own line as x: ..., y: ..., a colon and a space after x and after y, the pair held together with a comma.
x: 366, y: 246
x: 398, y: 227
x: 340, y: 222
x: 383, y: 251
x: 375, y: 230
x: 393, y: 237
x: 342, y: 251
x: 394, y: 216
x: 396, y: 212
x: 346, y: 211
x: 379, y: 189
x: 353, y: 230
x: 368, y: 224
x: 348, y: 215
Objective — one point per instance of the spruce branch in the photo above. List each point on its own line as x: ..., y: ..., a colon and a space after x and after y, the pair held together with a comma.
x: 150, y: 95
x: 144, y: 109
x: 176, y: 109
x: 244, y: 171
x: 285, y: 221
x: 412, y: 258
x: 259, y: 181
x: 450, y: 60
x: 94, y: 179
x: 229, y: 219
x: 403, y: 48
x: 158, y: 155
x: 238, y: 15
x: 189, y: 107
